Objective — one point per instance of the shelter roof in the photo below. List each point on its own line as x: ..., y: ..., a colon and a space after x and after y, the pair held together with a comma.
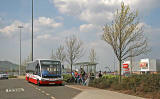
x: 86, y: 63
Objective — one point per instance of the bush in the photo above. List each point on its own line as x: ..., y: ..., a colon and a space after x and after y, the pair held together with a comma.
x: 116, y: 86
x: 150, y: 83
x: 110, y: 76
x: 147, y: 85
x: 136, y: 83
x: 104, y: 82
x: 67, y: 77
x: 12, y: 76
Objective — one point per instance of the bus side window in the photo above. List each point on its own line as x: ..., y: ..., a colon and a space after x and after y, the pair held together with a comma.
x: 37, y: 69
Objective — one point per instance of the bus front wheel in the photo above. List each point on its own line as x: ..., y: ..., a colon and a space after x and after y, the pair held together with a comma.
x: 38, y: 83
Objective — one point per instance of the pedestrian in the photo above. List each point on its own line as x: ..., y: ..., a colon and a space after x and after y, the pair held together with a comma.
x: 104, y: 73
x: 76, y: 75
x: 100, y: 74
x: 83, y: 75
x: 87, y: 79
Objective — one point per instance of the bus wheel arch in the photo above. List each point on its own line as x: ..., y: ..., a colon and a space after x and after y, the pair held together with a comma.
x: 28, y: 79
x: 38, y: 82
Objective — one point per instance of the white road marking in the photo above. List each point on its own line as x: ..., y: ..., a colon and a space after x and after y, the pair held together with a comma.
x: 7, y: 90
x: 44, y: 93
x: 22, y: 89
x: 14, y: 90
x: 53, y: 97
x: 47, y: 94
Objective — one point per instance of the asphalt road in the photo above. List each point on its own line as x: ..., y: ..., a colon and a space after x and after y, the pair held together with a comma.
x: 21, y: 89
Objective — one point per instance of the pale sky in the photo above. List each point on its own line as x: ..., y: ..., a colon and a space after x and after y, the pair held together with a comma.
x: 54, y: 20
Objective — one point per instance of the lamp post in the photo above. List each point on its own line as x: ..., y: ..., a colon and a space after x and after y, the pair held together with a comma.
x: 20, y: 27
x: 32, y: 30
x: 114, y: 65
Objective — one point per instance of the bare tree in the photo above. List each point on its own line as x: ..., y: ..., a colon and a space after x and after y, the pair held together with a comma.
x: 59, y: 54
x: 28, y: 59
x: 92, y: 56
x: 74, y: 50
x: 125, y: 35
x: 24, y: 64
x: 52, y: 55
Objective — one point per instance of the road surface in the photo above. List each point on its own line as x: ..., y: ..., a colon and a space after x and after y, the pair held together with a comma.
x: 21, y: 89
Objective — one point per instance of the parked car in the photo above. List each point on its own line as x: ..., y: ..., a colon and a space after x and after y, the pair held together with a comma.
x: 3, y: 75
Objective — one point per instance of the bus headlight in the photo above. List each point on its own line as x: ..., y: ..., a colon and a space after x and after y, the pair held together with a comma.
x: 44, y: 79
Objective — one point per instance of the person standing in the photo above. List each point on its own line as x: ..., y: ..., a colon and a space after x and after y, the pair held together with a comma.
x: 83, y: 75
x: 76, y: 76
x: 100, y: 74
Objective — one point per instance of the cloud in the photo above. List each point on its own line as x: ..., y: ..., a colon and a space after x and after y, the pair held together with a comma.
x: 100, y: 11
x: 88, y: 27
x: 9, y: 31
x: 47, y: 37
x: 43, y: 21
x: 41, y: 25
x: 153, y: 35
x: 59, y: 18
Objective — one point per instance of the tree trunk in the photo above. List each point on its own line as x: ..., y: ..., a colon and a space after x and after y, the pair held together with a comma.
x: 131, y: 63
x: 71, y: 68
x: 120, y: 71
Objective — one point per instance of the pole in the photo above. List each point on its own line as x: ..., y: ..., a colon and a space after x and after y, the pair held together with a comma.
x: 131, y: 63
x: 20, y: 27
x: 114, y: 64
x: 32, y: 30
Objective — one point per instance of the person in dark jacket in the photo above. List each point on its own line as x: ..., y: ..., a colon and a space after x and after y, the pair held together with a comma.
x: 100, y: 74
x: 82, y: 75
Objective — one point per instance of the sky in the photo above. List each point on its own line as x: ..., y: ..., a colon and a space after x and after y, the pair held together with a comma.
x: 54, y: 20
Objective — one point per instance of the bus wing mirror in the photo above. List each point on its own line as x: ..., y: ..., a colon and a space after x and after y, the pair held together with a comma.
x: 62, y: 66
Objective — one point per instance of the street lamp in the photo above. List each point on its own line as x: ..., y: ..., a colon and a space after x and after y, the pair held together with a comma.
x: 20, y: 27
x: 32, y: 30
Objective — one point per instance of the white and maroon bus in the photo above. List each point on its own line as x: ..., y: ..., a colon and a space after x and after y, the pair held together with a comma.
x: 44, y: 71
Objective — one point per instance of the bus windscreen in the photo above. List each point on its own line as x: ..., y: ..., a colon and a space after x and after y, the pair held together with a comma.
x: 50, y: 68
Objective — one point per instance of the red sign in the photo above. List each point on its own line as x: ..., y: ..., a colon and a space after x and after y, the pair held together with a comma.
x: 127, y: 69
x: 125, y: 65
x: 143, y: 64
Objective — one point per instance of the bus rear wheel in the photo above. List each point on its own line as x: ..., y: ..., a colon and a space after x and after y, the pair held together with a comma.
x: 28, y: 79
x: 61, y: 84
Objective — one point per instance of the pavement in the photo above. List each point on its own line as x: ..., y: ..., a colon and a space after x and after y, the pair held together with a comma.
x: 21, y: 77
x: 95, y: 93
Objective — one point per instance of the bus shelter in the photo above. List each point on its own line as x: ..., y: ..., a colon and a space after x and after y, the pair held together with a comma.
x: 89, y: 67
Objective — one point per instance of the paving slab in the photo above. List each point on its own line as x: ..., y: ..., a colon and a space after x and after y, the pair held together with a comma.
x: 95, y: 93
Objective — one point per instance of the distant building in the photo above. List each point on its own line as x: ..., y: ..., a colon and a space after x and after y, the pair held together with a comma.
x: 143, y: 66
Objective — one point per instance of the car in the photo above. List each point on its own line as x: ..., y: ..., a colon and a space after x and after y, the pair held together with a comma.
x: 3, y: 75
